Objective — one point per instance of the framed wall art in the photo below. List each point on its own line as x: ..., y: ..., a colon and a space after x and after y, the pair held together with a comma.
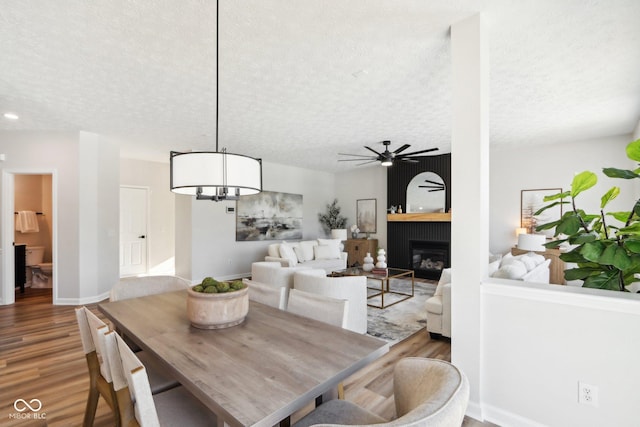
x: 269, y: 216
x: 366, y: 215
x: 530, y: 202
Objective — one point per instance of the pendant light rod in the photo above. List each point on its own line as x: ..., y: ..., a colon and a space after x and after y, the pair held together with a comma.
x: 215, y: 175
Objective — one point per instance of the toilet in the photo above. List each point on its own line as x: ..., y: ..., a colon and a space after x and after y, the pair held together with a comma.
x: 39, y: 273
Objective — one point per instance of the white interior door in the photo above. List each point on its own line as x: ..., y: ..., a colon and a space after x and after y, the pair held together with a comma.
x: 133, y: 231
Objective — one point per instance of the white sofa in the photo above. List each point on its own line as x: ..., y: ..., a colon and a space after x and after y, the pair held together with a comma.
x: 527, y: 267
x: 350, y: 288
x: 320, y: 253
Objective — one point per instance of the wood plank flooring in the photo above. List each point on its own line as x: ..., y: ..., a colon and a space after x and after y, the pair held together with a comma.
x: 41, y: 358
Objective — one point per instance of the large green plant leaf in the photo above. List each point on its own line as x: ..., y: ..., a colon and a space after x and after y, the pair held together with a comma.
x: 636, y: 208
x: 583, y: 238
x: 593, y: 250
x: 583, y: 181
x: 632, y: 245
x: 633, y: 150
x: 556, y: 196
x: 605, y: 280
x: 544, y: 208
x: 554, y: 243
x: 581, y: 273
x: 616, y: 256
x: 609, y: 196
x: 569, y: 224
x: 632, y: 229
x: 620, y: 173
x: 620, y: 216
x: 574, y: 256
x: 547, y: 226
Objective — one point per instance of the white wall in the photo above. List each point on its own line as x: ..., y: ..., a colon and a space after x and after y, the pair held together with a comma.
x: 161, y: 226
x: 540, y: 340
x: 85, y: 213
x: 364, y: 183
x: 553, y: 166
x: 214, y: 250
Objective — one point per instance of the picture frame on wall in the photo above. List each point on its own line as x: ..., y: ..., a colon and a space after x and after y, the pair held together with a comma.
x: 269, y: 215
x: 530, y: 202
x: 366, y: 215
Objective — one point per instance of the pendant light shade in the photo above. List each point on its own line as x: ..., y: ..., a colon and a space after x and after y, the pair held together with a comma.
x: 215, y: 175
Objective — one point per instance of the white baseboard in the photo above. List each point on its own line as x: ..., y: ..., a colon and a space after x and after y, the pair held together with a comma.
x: 81, y: 301
x: 506, y: 419
x: 474, y: 410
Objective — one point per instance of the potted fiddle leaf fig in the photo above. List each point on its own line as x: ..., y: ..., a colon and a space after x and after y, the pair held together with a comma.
x: 605, y: 245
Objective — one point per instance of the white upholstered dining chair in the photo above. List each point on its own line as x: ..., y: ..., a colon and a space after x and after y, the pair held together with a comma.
x: 99, y: 385
x: 319, y: 307
x: 274, y: 296
x: 427, y: 392
x: 95, y: 327
x: 138, y: 407
x: 133, y: 287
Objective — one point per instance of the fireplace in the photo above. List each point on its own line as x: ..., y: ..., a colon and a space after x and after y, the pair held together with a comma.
x: 428, y: 258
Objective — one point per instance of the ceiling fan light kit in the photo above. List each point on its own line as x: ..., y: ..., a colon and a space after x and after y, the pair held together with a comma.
x: 215, y: 175
x: 386, y: 158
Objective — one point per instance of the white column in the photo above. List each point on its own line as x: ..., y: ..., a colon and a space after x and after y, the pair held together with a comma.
x: 470, y: 198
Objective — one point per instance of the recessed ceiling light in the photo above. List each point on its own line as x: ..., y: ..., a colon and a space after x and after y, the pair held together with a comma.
x: 11, y: 116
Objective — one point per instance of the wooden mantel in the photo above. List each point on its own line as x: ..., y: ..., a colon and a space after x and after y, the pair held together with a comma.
x: 420, y: 217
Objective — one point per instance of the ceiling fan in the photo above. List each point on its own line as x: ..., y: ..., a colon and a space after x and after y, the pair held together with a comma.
x: 386, y: 158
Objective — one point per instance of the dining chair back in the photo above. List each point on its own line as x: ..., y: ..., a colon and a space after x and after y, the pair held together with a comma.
x: 98, y: 383
x: 133, y: 287
x: 138, y: 406
x: 429, y: 392
x: 319, y: 307
x: 274, y: 296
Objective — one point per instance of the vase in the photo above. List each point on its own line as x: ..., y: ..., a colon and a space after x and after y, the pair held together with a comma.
x: 381, y: 259
x: 217, y: 311
x: 368, y: 262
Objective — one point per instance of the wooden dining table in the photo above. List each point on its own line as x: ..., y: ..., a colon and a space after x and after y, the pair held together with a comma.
x: 255, y: 374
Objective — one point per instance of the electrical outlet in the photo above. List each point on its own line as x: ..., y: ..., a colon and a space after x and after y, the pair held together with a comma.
x: 587, y: 394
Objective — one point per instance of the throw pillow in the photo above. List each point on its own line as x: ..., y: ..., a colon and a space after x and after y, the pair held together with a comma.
x: 330, y: 242
x: 307, y: 248
x: 528, y: 262
x: 286, y: 251
x: 494, y: 257
x: 493, y: 267
x: 300, y: 254
x: 515, y: 270
x: 326, y: 252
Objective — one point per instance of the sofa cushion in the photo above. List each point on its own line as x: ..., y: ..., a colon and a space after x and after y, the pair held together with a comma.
x: 326, y: 252
x: 330, y: 242
x: 528, y: 262
x: 493, y: 267
x: 287, y: 252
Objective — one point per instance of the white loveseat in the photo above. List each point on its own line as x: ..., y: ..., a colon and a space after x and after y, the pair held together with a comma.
x: 321, y: 253
x: 527, y: 267
x: 350, y: 288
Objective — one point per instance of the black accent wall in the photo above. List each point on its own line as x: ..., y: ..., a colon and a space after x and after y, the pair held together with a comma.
x: 400, y: 233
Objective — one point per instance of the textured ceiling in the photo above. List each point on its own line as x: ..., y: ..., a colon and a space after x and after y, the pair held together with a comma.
x: 303, y: 80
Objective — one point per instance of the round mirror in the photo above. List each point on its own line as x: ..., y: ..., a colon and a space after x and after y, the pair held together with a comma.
x: 426, y: 193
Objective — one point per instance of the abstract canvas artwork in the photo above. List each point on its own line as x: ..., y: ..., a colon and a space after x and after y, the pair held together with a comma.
x: 366, y: 215
x: 269, y: 216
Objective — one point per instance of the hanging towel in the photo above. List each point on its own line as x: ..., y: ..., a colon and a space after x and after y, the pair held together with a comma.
x: 27, y: 222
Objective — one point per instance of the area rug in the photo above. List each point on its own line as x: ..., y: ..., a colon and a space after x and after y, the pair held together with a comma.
x: 399, y: 321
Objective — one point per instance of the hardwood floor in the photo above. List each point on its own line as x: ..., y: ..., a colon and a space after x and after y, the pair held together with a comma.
x: 41, y: 358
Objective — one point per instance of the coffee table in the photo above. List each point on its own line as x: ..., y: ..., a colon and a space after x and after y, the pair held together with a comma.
x: 385, y: 283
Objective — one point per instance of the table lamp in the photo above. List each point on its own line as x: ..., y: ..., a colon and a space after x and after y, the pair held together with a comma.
x: 532, y: 242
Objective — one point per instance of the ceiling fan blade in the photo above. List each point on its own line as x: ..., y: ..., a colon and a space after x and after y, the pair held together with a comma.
x: 417, y: 152
x: 407, y: 159
x: 355, y: 155
x: 404, y: 147
x: 366, y: 163
x: 358, y: 160
x: 371, y: 149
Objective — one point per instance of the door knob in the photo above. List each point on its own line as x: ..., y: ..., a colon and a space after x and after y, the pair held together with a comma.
x: 141, y: 237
